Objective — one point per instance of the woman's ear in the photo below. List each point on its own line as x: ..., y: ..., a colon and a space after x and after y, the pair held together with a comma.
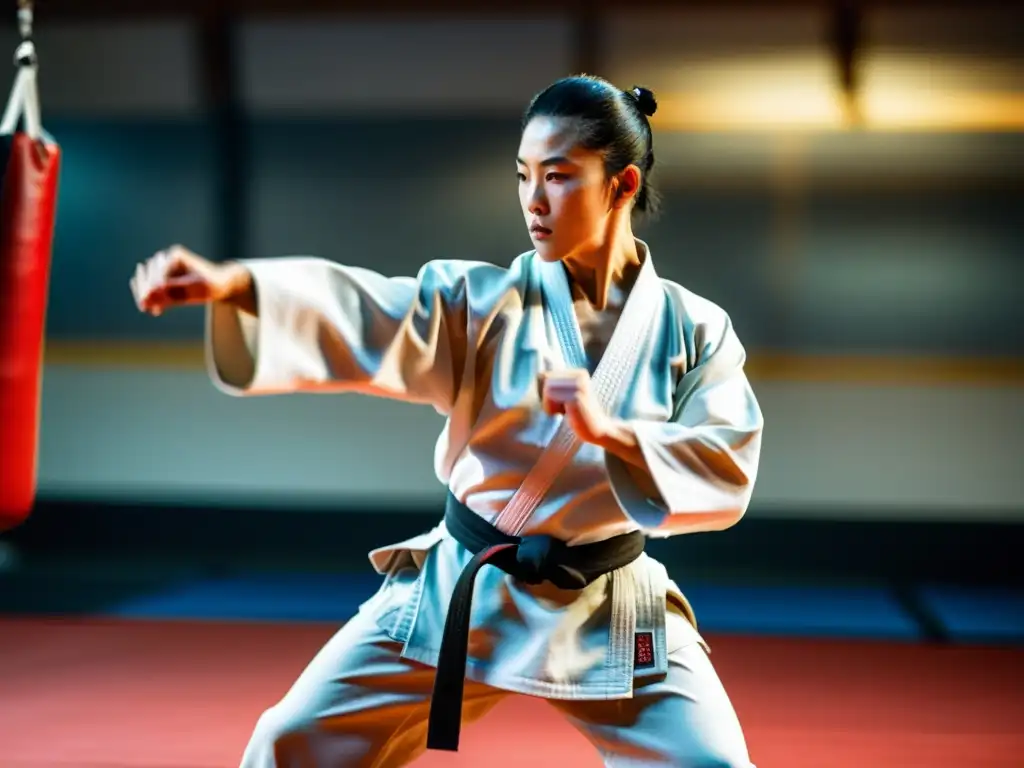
x: 625, y: 187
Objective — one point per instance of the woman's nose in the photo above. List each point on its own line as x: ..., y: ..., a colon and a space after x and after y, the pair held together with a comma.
x: 538, y: 202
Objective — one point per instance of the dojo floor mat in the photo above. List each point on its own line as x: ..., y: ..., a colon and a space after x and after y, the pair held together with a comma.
x: 800, y: 610
x: 115, y: 693
x: 977, y: 615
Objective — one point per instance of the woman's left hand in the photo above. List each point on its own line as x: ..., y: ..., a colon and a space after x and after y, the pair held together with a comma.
x: 568, y: 392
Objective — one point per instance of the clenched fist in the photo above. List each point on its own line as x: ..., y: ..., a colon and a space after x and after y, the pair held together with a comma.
x: 568, y: 392
x: 177, y: 277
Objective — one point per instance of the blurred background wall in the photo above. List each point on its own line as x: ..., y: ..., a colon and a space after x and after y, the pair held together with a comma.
x: 845, y: 181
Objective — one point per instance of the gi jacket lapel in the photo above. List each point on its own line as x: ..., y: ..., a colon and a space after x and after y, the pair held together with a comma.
x: 643, y: 305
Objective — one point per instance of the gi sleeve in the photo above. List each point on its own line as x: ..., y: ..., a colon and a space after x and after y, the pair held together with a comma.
x: 321, y: 327
x: 702, y: 463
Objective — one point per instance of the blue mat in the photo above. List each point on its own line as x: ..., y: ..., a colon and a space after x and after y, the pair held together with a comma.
x: 859, y: 612
x: 839, y: 612
x: 977, y: 614
x: 806, y: 611
x: 287, y: 597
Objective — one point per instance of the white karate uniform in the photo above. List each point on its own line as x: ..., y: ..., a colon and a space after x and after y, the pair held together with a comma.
x: 471, y: 339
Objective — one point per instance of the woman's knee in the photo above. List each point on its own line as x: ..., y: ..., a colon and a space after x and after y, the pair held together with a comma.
x: 714, y: 748
x: 287, y: 735
x: 278, y: 730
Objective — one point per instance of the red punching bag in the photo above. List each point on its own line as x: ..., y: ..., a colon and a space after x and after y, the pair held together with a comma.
x: 31, y: 165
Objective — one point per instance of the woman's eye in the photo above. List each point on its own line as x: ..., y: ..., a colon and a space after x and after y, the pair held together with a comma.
x: 553, y: 176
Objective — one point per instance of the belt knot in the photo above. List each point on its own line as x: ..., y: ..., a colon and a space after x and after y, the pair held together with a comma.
x: 541, y: 558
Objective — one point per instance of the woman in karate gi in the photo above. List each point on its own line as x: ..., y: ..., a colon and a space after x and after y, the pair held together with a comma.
x: 587, y: 401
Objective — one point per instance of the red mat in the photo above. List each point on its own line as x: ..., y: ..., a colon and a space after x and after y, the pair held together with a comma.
x: 106, y: 694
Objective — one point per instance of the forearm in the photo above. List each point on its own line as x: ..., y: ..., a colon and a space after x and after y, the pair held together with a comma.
x: 621, y: 441
x: 697, y: 478
x: 242, y: 292
x: 308, y: 324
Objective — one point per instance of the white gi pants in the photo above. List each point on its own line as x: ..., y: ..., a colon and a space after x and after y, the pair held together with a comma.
x: 359, y: 704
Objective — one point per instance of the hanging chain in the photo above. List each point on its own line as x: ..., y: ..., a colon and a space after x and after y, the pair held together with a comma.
x: 25, y: 55
x: 25, y: 18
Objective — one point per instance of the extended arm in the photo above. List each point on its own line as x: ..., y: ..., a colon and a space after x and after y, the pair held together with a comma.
x: 306, y: 324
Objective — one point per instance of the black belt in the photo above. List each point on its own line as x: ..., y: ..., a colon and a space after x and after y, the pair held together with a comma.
x: 530, y: 559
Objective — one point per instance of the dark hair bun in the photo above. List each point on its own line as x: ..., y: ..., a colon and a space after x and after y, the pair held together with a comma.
x: 645, y: 99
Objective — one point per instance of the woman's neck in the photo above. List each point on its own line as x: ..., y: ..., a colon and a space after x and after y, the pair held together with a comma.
x: 613, y: 264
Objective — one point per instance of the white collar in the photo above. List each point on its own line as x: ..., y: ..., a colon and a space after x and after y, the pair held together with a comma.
x: 642, y: 307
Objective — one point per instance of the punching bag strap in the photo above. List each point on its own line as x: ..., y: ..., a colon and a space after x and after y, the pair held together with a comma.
x: 23, y: 103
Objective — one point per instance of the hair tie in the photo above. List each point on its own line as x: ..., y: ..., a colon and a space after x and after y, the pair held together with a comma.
x: 644, y: 99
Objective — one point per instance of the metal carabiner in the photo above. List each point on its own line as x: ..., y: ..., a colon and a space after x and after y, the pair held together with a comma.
x: 25, y: 55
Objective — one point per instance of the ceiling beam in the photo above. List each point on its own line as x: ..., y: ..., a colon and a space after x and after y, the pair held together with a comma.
x: 845, y: 39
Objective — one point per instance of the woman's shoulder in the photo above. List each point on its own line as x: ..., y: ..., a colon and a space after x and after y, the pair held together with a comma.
x: 476, y: 274
x: 705, y: 327
x: 693, y: 308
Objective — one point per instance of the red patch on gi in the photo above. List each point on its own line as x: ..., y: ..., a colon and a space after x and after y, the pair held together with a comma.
x: 643, y: 650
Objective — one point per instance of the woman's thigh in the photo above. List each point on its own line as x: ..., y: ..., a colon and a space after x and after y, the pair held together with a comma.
x: 684, y: 719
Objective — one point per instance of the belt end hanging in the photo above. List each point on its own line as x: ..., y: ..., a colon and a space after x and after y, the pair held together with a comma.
x: 447, y: 741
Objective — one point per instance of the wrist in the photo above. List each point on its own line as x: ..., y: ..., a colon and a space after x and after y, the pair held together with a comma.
x: 236, y: 278
x: 614, y: 435
x: 620, y: 440
x: 239, y: 287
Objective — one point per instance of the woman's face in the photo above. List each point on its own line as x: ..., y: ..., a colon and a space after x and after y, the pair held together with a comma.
x: 563, y: 191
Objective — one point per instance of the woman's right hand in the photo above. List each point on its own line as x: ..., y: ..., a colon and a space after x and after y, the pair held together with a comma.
x: 177, y: 278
